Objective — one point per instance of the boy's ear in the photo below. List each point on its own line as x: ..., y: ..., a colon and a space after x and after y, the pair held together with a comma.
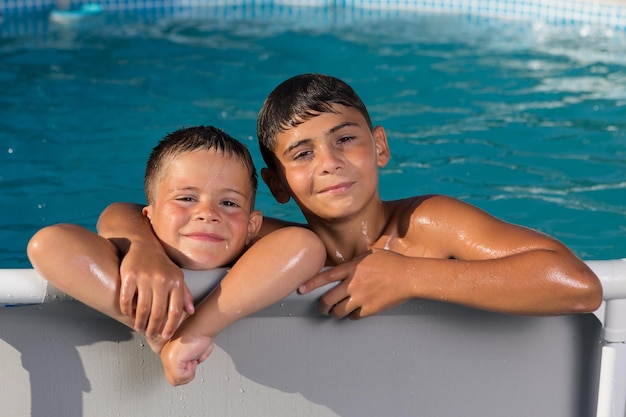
x: 382, y: 146
x: 147, y: 211
x: 275, y: 185
x: 254, y: 225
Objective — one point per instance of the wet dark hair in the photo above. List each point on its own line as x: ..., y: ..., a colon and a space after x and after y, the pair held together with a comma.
x: 297, y: 100
x: 192, y: 139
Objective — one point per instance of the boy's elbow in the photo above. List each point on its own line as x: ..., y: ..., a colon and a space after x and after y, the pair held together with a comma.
x: 315, y: 248
x: 589, y: 293
x: 44, y: 245
x: 37, y: 244
x: 309, y: 245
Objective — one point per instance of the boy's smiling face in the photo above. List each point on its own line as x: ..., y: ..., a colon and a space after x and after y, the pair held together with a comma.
x: 329, y: 164
x: 202, y: 212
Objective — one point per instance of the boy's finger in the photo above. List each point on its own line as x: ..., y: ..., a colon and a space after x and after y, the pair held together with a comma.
x: 334, y: 300
x: 321, y: 279
x: 174, y: 315
x: 182, y: 375
x: 142, y: 310
x: 127, y: 297
x: 339, y: 310
x: 158, y: 312
x: 188, y: 301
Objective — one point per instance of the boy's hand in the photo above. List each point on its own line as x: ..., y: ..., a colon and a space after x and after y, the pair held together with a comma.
x: 182, y: 355
x: 153, y: 291
x: 366, y: 286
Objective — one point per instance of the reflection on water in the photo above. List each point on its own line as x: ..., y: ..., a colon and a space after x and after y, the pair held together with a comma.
x: 525, y: 120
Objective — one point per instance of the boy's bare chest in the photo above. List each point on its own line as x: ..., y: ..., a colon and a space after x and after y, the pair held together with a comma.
x: 409, y: 241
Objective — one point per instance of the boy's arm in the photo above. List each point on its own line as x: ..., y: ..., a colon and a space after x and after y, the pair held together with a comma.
x: 153, y: 289
x: 270, y: 270
x: 477, y: 261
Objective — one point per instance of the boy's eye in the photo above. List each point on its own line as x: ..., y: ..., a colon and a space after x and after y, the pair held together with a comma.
x: 186, y: 199
x: 302, y: 154
x: 230, y: 203
x: 344, y: 139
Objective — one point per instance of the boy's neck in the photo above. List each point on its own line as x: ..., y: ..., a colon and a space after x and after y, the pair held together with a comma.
x: 350, y: 237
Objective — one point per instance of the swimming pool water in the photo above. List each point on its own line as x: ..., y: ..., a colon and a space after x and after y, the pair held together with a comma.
x: 522, y: 119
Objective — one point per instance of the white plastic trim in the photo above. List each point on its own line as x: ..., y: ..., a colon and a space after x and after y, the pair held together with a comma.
x: 26, y: 286
x: 21, y: 286
x: 612, y: 383
x: 612, y: 273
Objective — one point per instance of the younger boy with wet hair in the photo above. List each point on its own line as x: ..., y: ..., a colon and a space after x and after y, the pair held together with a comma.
x: 200, y: 185
x: 322, y: 150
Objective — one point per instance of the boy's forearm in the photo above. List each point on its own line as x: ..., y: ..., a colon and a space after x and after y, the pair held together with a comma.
x: 123, y: 224
x: 538, y: 282
x: 147, y: 274
x: 270, y: 270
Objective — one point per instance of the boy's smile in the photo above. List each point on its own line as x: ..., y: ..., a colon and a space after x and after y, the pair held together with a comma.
x: 337, y: 189
x: 330, y: 163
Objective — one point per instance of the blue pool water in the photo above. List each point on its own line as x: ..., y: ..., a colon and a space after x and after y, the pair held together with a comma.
x: 522, y: 119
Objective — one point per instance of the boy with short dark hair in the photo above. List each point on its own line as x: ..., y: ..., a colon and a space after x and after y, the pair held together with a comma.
x: 323, y: 151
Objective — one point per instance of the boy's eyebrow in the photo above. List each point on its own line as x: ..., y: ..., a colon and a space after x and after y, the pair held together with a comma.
x: 330, y: 131
x: 185, y: 188
x: 294, y: 145
x: 342, y: 125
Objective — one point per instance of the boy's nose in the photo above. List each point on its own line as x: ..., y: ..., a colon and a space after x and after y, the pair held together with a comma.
x: 329, y: 159
x: 205, y: 211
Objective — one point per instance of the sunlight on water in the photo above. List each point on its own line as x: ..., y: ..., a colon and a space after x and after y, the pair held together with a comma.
x: 523, y: 120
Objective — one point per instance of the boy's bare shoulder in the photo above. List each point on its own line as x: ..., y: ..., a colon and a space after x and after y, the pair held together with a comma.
x: 425, y: 208
x: 424, y: 225
x: 431, y: 214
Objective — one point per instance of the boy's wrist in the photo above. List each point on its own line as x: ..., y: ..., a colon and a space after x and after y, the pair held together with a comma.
x: 145, y: 244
